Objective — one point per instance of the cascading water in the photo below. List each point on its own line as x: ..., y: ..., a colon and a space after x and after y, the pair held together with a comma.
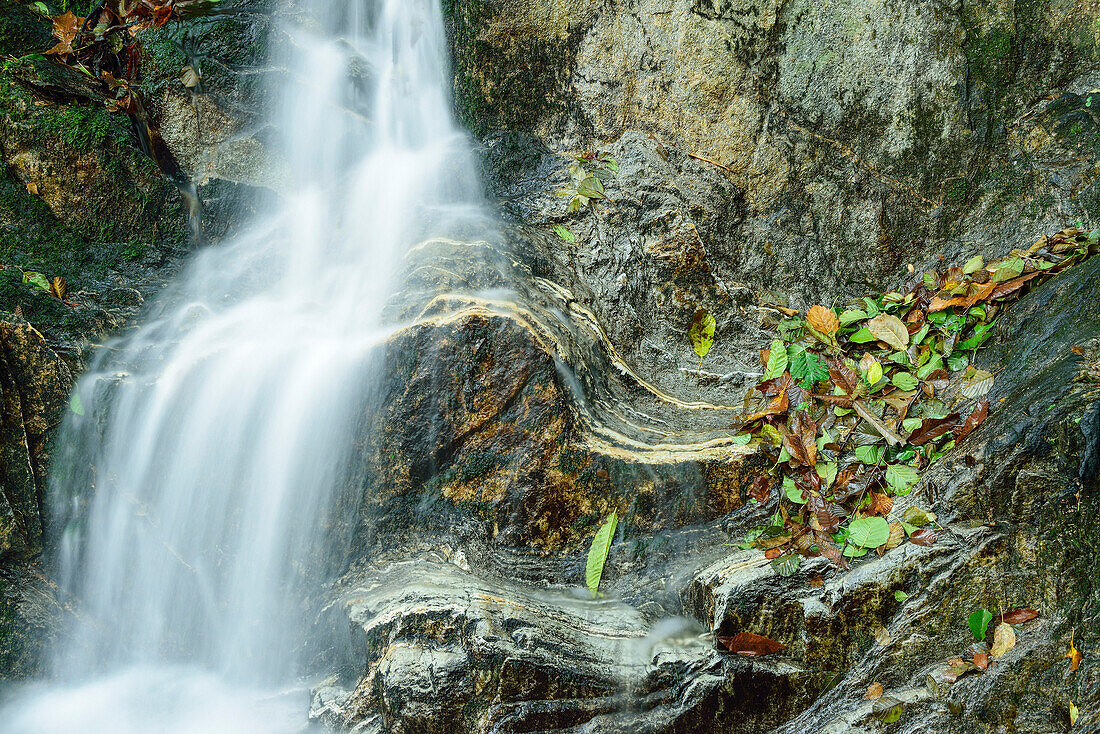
x: 198, y: 491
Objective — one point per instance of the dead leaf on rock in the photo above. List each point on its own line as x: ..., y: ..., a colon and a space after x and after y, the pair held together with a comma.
x: 1004, y: 639
x: 1019, y: 616
x: 751, y: 645
x: 981, y: 660
x: 1075, y: 656
x: 32, y: 188
x: 873, y: 691
x: 882, y: 636
x: 973, y: 420
x: 924, y: 536
x: 957, y: 668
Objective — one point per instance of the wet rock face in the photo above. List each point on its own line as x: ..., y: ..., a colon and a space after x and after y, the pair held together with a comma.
x: 865, y: 136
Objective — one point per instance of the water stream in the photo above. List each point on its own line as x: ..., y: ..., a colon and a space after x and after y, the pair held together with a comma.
x: 196, y: 496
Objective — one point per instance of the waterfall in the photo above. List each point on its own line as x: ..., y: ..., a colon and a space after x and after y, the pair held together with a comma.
x: 196, y: 496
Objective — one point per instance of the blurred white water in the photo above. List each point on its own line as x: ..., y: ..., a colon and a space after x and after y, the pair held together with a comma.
x: 204, y: 487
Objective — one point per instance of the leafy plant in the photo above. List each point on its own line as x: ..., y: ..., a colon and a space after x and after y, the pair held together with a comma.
x: 597, y: 553
x: 587, y: 175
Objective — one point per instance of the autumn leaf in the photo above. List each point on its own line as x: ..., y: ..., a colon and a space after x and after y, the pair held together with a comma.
x: 1019, y: 616
x: 957, y: 668
x: 1074, y: 655
x: 1004, y: 639
x: 976, y: 383
x: 880, y: 506
x: 58, y: 287
x: 890, y: 329
x: 65, y: 29
x: 932, y: 428
x: 751, y: 645
x: 972, y: 421
x: 981, y: 660
x: 924, y: 536
x: 873, y: 691
x: 761, y: 488
x: 823, y: 319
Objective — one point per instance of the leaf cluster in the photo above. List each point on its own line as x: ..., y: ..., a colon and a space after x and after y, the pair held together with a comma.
x: 856, y: 402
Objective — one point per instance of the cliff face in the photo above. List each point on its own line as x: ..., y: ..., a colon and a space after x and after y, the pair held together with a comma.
x: 764, y: 155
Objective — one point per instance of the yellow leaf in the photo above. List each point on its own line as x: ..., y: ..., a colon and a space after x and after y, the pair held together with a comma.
x: 873, y: 691
x: 890, y: 329
x: 1073, y: 713
x: 1075, y: 657
x: 823, y: 319
x: 32, y: 188
x: 1004, y: 639
x: 59, y: 287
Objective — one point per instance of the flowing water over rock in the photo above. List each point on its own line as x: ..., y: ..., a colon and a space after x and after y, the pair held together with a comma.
x: 199, y: 495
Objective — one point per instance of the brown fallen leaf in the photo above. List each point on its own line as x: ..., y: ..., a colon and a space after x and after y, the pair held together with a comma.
x: 751, y: 645
x: 882, y: 636
x: 844, y: 377
x: 1075, y: 656
x: 761, y: 488
x: 65, y: 28
x: 865, y: 413
x: 924, y: 536
x: 896, y: 537
x: 1004, y: 639
x: 816, y: 581
x: 874, y: 691
x: 972, y: 421
x: 823, y: 319
x: 880, y: 506
x: 58, y: 287
x: 981, y: 660
x: 957, y: 668
x: 1019, y: 616
x: 890, y: 329
x: 933, y: 428
x: 773, y: 553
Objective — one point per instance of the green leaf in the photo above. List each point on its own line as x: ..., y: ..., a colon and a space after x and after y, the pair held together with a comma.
x: 979, y: 622
x: 777, y: 360
x: 904, y: 381
x: 612, y: 164
x: 787, y: 565
x: 742, y: 439
x: 874, y: 373
x: 933, y: 364
x: 870, y: 454
x: 1009, y: 269
x: 41, y: 8
x: 900, y: 477
x: 868, y: 532
x: 701, y: 333
x: 591, y: 187
x: 862, y: 336
x: 917, y: 517
x: 851, y: 316
x: 751, y: 536
x: 911, y: 424
x: 597, y: 554
x: 900, y: 595
x: 957, y: 361
x: 887, y: 709
x: 37, y: 279
x: 794, y: 494
x: 76, y: 405
x: 772, y: 434
x: 564, y: 233
x: 981, y: 333
x: 807, y: 368
x: 973, y: 265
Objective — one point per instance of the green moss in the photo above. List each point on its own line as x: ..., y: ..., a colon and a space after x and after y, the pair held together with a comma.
x: 84, y: 127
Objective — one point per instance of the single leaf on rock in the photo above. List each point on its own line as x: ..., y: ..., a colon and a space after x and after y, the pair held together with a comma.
x: 1075, y: 656
x: 823, y: 319
x: 1019, y: 616
x: 701, y: 333
x: 591, y: 187
x: 1074, y: 713
x: 900, y: 595
x: 887, y: 709
x: 976, y: 383
x: 924, y: 536
x: 58, y: 287
x: 918, y: 517
x: 777, y: 360
x: 868, y: 532
x: 751, y: 645
x: 973, y: 420
x: 890, y: 329
x: 981, y: 660
x: 978, y: 622
x: 787, y: 565
x: 76, y: 405
x: 874, y: 691
x: 882, y: 636
x: 36, y: 279
x: 957, y: 668
x: 564, y: 233
x: 597, y: 553
x: 1004, y: 639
